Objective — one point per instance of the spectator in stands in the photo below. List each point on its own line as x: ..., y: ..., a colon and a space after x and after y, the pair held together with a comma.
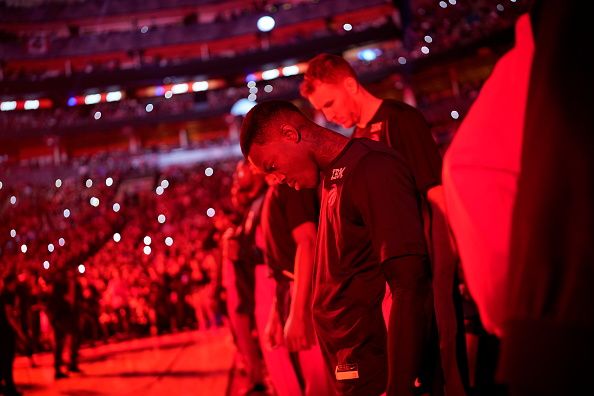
x: 10, y: 330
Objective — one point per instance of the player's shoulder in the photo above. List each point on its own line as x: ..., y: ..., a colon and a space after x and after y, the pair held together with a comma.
x: 379, y: 168
x: 399, y: 107
x: 376, y: 155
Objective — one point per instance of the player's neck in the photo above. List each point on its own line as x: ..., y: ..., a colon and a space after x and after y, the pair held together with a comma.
x: 369, y: 105
x: 329, y: 149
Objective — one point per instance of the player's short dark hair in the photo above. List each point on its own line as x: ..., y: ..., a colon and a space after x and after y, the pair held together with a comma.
x: 325, y: 68
x: 258, y: 125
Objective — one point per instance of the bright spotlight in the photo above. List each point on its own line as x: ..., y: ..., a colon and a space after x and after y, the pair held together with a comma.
x: 92, y: 99
x: 180, y: 88
x: 113, y: 96
x: 199, y: 86
x: 8, y: 106
x: 368, y: 54
x: 266, y: 23
x: 270, y: 74
x: 31, y: 104
x: 241, y: 107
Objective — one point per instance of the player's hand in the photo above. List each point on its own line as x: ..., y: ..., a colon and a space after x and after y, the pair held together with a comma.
x: 273, y: 332
x: 231, y: 249
x: 299, y: 332
x: 22, y: 338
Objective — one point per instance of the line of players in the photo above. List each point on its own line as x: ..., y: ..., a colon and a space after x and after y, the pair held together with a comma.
x: 358, y: 296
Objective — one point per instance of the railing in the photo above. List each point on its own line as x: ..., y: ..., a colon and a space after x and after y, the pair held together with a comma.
x: 68, y: 11
x: 176, y: 35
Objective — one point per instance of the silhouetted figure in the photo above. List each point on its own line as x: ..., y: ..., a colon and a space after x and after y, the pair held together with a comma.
x: 64, y: 314
x: 9, y: 331
x: 28, y: 313
x: 547, y: 343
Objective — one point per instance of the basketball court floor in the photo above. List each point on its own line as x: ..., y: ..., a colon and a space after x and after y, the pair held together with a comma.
x: 191, y: 363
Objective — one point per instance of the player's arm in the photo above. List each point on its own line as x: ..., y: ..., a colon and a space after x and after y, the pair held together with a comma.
x: 299, y: 333
x: 442, y: 244
x: 385, y: 198
x: 13, y: 321
x: 273, y: 331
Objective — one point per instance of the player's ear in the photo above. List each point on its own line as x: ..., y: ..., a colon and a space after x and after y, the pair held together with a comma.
x: 290, y: 133
x: 351, y: 85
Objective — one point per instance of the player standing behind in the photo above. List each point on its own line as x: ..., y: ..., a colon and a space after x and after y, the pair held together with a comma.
x: 332, y: 87
x: 370, y: 233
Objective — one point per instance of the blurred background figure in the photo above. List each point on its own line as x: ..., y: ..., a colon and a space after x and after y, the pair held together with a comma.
x: 517, y: 206
x: 547, y: 345
x: 29, y: 307
x: 10, y: 330
x: 480, y: 181
x: 243, y: 254
x: 64, y: 312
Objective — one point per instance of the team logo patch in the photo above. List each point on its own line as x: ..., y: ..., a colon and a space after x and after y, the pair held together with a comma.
x: 345, y: 372
x: 332, y: 194
x: 376, y: 127
x: 337, y: 173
